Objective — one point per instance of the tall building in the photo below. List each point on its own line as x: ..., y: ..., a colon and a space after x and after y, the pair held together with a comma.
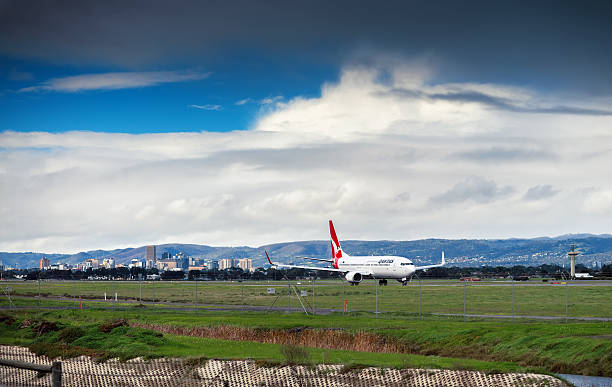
x: 166, y: 255
x: 150, y: 253
x: 246, y: 264
x: 226, y: 263
x: 44, y: 263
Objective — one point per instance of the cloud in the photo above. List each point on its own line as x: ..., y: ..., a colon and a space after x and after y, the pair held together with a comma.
x: 504, y: 154
x: 540, y: 192
x: 242, y: 102
x: 207, y: 107
x: 475, y: 189
x: 113, y: 81
x: 382, y: 165
x: 556, y: 44
x: 271, y: 100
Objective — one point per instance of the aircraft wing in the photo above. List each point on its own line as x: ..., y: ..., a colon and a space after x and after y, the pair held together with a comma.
x: 317, y: 259
x: 430, y: 266
x: 277, y: 264
x: 307, y: 267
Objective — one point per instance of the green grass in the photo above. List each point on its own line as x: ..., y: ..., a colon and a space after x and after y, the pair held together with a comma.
x: 538, y: 299
x: 125, y: 342
x: 554, y: 347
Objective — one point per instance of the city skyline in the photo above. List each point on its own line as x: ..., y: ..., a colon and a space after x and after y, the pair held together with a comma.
x: 410, y: 121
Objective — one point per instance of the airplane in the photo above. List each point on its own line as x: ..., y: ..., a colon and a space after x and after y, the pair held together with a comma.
x: 355, y: 268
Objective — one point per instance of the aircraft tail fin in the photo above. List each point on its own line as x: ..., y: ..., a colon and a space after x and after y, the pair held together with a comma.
x: 335, y: 246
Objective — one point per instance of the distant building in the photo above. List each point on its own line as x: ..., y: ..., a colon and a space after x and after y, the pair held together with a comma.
x: 226, y: 263
x: 246, y: 264
x: 213, y: 265
x: 137, y: 263
x: 91, y: 264
x: 44, y: 263
x: 108, y: 263
x: 150, y: 263
x: 200, y: 268
x: 166, y: 265
x: 150, y: 253
x: 166, y: 255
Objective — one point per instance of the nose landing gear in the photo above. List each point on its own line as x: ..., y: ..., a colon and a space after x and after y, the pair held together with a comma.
x: 382, y: 282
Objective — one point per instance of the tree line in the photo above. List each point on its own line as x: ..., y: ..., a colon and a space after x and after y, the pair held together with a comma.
x: 134, y: 273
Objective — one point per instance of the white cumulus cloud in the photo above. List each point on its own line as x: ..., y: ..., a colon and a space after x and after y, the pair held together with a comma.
x: 387, y: 153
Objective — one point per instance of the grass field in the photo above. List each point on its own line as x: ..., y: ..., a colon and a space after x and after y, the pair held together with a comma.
x: 489, y: 346
x: 435, y: 296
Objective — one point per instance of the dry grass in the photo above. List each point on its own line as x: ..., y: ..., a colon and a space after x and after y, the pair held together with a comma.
x: 305, y: 337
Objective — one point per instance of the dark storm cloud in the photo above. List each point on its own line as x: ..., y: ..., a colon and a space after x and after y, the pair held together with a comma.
x: 472, y: 96
x: 542, y: 41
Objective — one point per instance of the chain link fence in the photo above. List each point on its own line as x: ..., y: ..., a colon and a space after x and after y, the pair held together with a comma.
x: 421, y: 298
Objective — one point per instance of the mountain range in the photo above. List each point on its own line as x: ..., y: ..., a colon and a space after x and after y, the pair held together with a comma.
x: 459, y: 252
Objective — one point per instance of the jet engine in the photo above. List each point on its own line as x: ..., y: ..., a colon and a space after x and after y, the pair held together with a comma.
x: 353, y: 277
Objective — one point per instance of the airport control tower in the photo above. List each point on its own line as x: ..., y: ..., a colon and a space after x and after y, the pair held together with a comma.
x: 572, y: 254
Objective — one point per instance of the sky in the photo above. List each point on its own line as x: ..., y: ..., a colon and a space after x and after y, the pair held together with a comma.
x: 246, y: 123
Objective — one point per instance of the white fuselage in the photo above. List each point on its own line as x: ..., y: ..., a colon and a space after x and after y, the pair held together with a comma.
x: 378, y: 266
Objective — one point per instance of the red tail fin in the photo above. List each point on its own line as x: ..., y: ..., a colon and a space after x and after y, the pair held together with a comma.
x: 335, y: 245
x: 267, y: 256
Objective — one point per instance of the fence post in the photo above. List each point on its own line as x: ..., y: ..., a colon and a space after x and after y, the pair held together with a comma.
x: 420, y: 285
x: 38, y: 292
x: 566, y: 300
x: 512, y: 298
x: 376, y: 281
x: 242, y: 294
x: 112, y: 293
x: 140, y: 287
x: 153, y: 294
x: 289, y: 294
x: 343, y: 299
x: 313, y: 295
x: 196, y: 294
x: 56, y: 374
x: 464, y: 298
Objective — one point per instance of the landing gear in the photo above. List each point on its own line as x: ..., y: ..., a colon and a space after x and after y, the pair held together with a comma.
x: 354, y: 283
x: 404, y: 283
x: 382, y: 282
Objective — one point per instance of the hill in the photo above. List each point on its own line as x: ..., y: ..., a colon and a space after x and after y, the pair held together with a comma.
x: 459, y: 252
